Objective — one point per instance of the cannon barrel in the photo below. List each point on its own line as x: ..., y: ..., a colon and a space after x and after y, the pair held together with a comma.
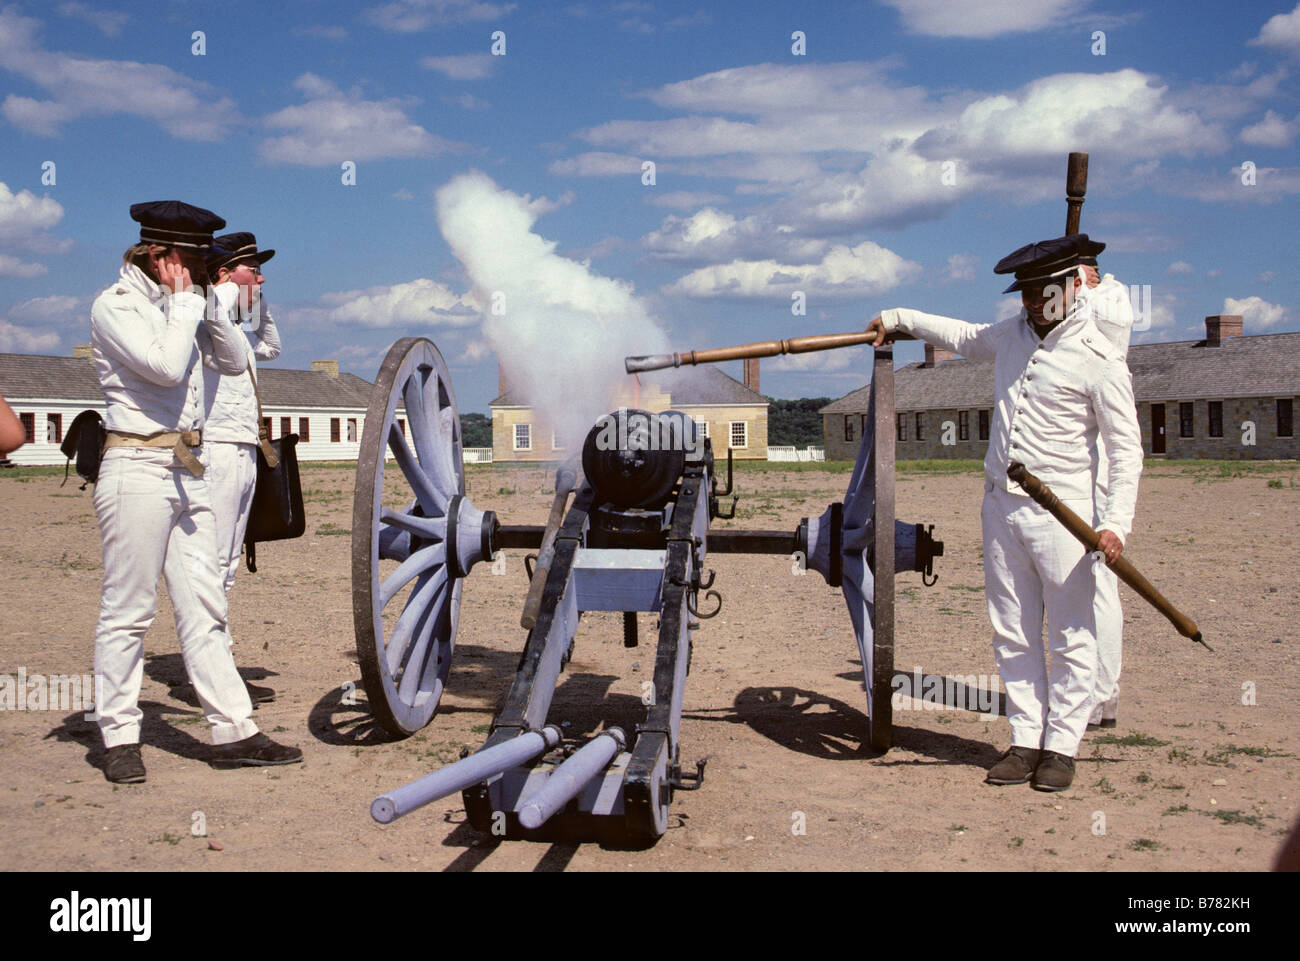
x: 465, y: 772
x: 567, y: 780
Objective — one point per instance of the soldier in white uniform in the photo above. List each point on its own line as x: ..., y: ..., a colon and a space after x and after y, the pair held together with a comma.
x: 148, y: 333
x: 1060, y: 384
x: 231, y: 431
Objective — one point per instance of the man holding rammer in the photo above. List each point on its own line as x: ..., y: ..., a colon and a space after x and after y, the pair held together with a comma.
x: 1061, y: 385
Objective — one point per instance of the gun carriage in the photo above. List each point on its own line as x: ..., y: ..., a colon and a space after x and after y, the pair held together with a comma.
x: 630, y: 530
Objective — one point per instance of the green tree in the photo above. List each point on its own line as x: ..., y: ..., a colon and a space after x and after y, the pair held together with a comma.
x: 475, y: 430
x: 795, y: 422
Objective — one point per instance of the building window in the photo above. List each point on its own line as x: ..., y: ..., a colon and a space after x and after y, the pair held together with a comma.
x: 1284, y: 426
x: 29, y: 427
x: 902, y: 427
x: 739, y: 434
x: 54, y: 428
x: 334, y: 430
x: 286, y: 426
x: 963, y: 425
x: 303, y: 433
x: 984, y: 425
x: 848, y: 427
x: 555, y: 442
x: 352, y: 430
x: 702, y: 428
x: 1185, y: 419
x: 523, y: 436
x: 1216, y: 418
x: 862, y: 422
x: 920, y: 425
x: 266, y: 426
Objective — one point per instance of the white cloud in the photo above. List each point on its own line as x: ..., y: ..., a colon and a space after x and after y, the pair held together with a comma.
x: 464, y: 66
x: 81, y: 86
x: 981, y: 18
x: 1180, y: 267
x: 596, y: 164
x: 960, y: 268
x: 862, y: 271
x: 1272, y: 131
x: 13, y: 267
x: 332, y: 127
x: 108, y: 22
x: 1282, y: 30
x: 1266, y: 277
x: 421, y: 304
x: 57, y: 310
x: 822, y: 361
x: 467, y: 101
x: 1271, y: 184
x: 25, y: 222
x: 412, y: 16
x: 710, y: 236
x: 1052, y: 115
x: 1255, y: 312
x: 19, y: 340
x: 682, y: 199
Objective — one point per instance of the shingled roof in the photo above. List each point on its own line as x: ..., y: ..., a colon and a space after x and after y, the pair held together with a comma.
x: 1263, y: 365
x: 688, y: 386
x: 32, y: 376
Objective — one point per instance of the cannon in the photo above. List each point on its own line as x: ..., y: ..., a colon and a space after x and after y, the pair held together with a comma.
x: 636, y: 537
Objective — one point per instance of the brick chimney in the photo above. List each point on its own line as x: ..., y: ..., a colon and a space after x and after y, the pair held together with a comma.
x: 935, y: 354
x: 751, y: 374
x: 330, y: 368
x: 82, y: 350
x: 1220, y: 327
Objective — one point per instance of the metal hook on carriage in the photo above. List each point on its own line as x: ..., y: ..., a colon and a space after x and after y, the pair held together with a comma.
x: 529, y: 561
x: 702, y: 584
x: 714, y: 613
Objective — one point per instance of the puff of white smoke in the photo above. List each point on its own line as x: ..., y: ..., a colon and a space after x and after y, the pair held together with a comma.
x: 559, y: 330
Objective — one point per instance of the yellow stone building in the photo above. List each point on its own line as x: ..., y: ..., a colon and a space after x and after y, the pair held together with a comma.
x: 732, y: 415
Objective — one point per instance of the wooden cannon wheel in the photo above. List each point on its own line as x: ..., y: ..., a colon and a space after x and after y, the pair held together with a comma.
x: 409, y: 555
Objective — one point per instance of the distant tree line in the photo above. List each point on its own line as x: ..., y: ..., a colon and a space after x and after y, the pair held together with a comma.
x: 795, y: 422
x: 475, y: 430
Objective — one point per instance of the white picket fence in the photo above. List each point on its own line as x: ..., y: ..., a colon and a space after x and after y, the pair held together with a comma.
x: 793, y: 454
x: 476, y: 455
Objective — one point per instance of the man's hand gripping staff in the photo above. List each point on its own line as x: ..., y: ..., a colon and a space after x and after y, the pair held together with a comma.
x: 1090, y: 539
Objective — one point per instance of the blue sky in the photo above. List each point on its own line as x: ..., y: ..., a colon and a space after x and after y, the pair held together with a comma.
x: 908, y: 147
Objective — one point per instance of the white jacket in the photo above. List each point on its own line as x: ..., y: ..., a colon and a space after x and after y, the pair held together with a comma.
x: 1054, y: 398
x: 146, y: 343
x: 232, y: 405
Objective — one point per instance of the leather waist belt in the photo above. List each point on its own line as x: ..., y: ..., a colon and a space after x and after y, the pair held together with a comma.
x: 179, y: 441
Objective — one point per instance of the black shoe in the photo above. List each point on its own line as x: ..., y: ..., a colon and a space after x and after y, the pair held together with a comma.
x: 1055, y: 772
x: 259, y: 695
x: 122, y: 764
x: 1104, y: 723
x: 256, y: 751
x: 1014, y: 767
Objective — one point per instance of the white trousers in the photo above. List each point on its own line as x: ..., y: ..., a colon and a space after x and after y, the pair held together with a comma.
x: 155, y: 518
x: 231, y: 477
x: 1035, y: 569
x: 1110, y: 640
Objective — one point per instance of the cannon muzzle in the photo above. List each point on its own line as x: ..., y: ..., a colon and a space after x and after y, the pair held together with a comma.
x: 465, y: 772
x: 567, y: 781
x: 635, y: 365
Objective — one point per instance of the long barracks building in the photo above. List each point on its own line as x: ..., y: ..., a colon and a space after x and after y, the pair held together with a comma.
x: 1228, y: 396
x: 325, y: 408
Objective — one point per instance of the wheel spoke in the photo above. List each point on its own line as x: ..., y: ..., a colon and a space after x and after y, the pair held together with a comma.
x: 431, y: 499
x: 427, y: 527
x: 416, y: 662
x: 394, y: 543
x: 426, y: 558
x: 418, y: 602
x: 417, y: 415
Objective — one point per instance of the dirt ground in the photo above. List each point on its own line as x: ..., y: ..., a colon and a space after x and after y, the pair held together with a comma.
x: 1192, y: 779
